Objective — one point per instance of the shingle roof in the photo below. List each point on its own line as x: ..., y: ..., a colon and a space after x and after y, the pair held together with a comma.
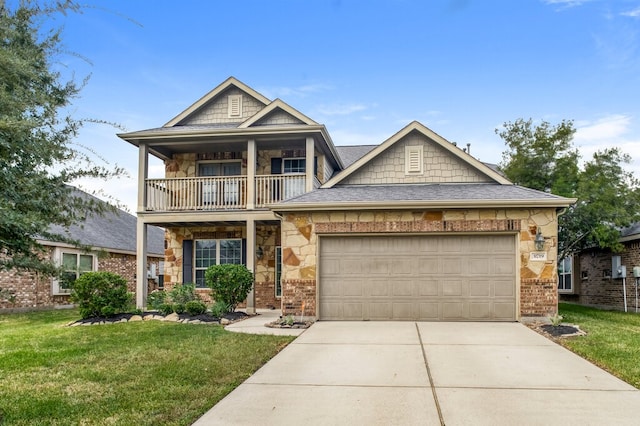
x: 634, y: 229
x: 351, y: 154
x: 113, y: 230
x: 426, y: 192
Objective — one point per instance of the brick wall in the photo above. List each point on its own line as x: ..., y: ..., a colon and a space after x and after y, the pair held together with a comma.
x: 593, y: 285
x: 33, y: 291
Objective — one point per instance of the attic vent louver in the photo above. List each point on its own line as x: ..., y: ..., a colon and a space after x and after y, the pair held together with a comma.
x: 413, y: 163
x: 235, y: 106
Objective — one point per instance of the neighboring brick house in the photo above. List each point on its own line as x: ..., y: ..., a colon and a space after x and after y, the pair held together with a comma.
x: 414, y: 228
x: 113, y: 238
x: 588, y: 277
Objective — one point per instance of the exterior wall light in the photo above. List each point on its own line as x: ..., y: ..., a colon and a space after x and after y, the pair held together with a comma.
x: 259, y: 253
x: 539, y: 240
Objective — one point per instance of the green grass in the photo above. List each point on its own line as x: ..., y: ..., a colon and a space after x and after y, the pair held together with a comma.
x: 612, y: 341
x: 142, y: 373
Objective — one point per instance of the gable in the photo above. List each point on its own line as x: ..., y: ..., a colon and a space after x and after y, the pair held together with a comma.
x: 277, y: 118
x: 217, y: 110
x: 438, y: 165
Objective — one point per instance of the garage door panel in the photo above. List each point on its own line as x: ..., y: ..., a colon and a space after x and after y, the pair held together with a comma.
x: 504, y: 288
x: 378, y: 288
x: 479, y: 288
x: 429, y: 278
x: 403, y: 311
x: 480, y: 311
x: 427, y: 288
x: 404, y: 287
x: 451, y: 288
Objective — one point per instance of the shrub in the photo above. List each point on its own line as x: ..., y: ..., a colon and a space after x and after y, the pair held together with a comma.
x: 156, y: 298
x: 229, y: 283
x: 101, y: 294
x: 195, y: 307
x: 178, y: 308
x: 219, y: 309
x: 183, y: 293
x: 165, y: 308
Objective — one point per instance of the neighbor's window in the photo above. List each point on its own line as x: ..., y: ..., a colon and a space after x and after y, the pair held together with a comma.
x: 73, y: 265
x: 564, y: 274
x: 215, y: 252
x: 278, y: 271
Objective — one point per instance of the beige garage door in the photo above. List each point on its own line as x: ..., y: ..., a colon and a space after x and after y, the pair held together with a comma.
x: 431, y: 278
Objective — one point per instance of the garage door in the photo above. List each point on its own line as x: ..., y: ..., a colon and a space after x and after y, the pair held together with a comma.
x: 431, y: 278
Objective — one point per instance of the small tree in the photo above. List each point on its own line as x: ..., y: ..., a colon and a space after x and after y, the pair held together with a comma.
x: 229, y: 283
x: 101, y: 294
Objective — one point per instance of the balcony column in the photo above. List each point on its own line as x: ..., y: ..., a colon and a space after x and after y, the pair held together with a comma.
x: 141, y: 264
x: 309, y: 155
x: 251, y: 263
x: 143, y: 173
x: 252, y: 155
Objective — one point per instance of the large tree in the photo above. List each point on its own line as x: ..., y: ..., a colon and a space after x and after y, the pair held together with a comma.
x: 38, y: 156
x: 543, y: 157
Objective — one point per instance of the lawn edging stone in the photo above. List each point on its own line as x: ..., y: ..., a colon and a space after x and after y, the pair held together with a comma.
x: 230, y: 318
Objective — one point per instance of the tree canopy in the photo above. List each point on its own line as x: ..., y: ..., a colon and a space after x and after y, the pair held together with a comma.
x: 38, y: 158
x: 543, y: 157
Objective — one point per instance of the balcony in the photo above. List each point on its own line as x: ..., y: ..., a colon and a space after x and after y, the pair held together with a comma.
x: 221, y: 192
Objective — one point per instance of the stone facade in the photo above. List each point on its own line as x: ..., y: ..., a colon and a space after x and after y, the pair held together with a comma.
x: 592, y: 281
x: 33, y: 291
x: 439, y: 166
x: 267, y: 238
x: 217, y: 111
x: 537, y: 289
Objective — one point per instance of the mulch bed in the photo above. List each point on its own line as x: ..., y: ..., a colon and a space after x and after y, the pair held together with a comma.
x: 557, y: 332
x: 183, y: 318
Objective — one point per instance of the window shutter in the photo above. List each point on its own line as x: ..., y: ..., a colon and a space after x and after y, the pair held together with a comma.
x: 276, y: 166
x: 235, y: 105
x: 315, y: 166
x: 244, y: 252
x: 187, y: 261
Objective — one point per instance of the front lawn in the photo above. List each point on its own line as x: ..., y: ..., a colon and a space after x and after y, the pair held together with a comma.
x: 612, y: 341
x: 137, y: 373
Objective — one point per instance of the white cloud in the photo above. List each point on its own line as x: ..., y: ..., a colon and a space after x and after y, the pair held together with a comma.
x: 566, y: 3
x: 607, y: 132
x: 635, y: 13
x: 607, y: 128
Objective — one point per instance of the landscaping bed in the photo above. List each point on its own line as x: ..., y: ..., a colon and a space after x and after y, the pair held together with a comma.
x: 228, y: 318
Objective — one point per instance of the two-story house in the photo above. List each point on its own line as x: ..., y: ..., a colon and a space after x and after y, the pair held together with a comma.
x: 413, y: 228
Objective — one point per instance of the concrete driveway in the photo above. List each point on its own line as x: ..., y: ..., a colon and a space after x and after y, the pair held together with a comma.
x: 406, y: 373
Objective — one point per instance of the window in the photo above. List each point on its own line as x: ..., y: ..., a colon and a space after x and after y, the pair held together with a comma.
x: 564, y: 275
x: 278, y: 271
x: 294, y: 165
x: 220, y: 192
x: 215, y: 252
x: 73, y: 265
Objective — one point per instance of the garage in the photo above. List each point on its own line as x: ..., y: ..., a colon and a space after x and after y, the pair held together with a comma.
x: 420, y: 278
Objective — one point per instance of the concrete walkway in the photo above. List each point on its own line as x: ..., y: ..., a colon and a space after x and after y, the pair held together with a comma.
x: 405, y: 373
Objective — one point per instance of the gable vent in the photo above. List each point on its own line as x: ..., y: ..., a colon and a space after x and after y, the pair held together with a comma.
x: 413, y: 163
x: 235, y: 105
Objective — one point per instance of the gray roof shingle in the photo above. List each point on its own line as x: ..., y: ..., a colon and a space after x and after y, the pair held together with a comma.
x: 113, y: 230
x: 352, y: 153
x: 426, y: 192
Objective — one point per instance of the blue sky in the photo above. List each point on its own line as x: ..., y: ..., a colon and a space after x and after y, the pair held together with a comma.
x: 364, y: 68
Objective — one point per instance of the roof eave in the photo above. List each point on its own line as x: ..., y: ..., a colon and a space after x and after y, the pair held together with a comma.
x: 420, y: 204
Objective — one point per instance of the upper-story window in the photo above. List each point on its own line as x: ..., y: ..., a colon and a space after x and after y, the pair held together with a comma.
x: 223, y: 192
x: 294, y: 165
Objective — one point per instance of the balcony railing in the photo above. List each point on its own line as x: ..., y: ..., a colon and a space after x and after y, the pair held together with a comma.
x: 220, y: 192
